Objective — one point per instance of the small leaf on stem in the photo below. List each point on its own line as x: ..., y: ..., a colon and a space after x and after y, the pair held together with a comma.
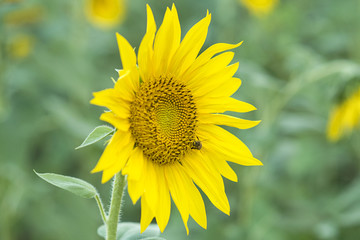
x: 96, y: 135
x: 71, y: 184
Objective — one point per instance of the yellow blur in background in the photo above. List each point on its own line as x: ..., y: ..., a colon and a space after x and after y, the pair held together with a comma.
x: 345, y: 117
x: 259, y: 7
x: 106, y: 13
x: 21, y: 46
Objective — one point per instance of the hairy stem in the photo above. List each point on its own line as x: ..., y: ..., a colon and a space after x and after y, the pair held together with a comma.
x: 101, y: 208
x: 116, y: 197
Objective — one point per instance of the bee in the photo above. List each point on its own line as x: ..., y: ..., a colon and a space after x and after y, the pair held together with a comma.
x: 196, y: 144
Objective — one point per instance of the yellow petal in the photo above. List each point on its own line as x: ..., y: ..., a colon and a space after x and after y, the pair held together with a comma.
x: 135, y: 189
x: 219, y: 163
x: 226, y: 89
x: 128, y: 60
x: 146, y: 215
x: 210, y: 52
x: 209, y: 181
x: 167, y: 40
x: 212, y: 83
x: 151, y: 187
x: 135, y: 165
x: 196, y: 206
x: 120, y: 123
x: 213, y: 67
x: 108, y: 173
x: 190, y: 47
x: 111, y: 99
x: 222, y: 104
x: 221, y: 119
x: 127, y: 84
x: 178, y: 182
x: 146, y: 52
x: 226, y: 144
x: 164, y: 206
x: 127, y: 54
x: 115, y: 151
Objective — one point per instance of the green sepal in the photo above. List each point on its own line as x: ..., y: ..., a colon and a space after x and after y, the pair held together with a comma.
x: 71, y: 184
x: 96, y: 135
x: 131, y: 231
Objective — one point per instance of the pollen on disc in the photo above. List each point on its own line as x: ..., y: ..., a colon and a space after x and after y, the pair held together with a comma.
x: 163, y: 120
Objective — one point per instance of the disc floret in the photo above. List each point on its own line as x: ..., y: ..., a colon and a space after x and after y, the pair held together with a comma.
x: 163, y: 120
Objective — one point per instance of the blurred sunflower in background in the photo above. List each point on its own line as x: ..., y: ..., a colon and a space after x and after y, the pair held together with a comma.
x: 20, y: 46
x: 259, y: 7
x: 105, y: 13
x: 20, y: 42
x: 23, y: 14
x: 17, y: 41
x: 166, y: 106
x: 345, y: 117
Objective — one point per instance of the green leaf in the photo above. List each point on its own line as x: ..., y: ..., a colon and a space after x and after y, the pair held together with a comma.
x: 96, y: 135
x: 131, y: 231
x: 71, y: 184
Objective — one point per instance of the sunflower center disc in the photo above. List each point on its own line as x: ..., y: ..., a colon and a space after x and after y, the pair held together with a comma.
x: 163, y: 120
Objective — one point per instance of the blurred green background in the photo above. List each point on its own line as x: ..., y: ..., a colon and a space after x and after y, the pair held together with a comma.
x: 295, y: 62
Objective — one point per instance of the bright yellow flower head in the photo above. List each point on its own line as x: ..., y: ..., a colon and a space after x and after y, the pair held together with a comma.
x: 166, y: 106
x: 259, y: 7
x: 344, y: 117
x: 106, y: 13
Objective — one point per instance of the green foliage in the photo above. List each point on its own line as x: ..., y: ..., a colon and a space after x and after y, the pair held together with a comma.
x: 131, y: 231
x: 96, y: 135
x: 71, y: 184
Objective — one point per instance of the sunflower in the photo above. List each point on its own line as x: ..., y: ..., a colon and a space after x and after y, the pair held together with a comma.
x: 105, y: 13
x: 259, y: 7
x: 344, y: 117
x: 166, y: 106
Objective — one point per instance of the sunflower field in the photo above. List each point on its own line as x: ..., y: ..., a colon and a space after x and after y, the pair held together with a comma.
x: 297, y: 110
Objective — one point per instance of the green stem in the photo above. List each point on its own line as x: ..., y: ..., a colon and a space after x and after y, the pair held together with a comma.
x: 101, y: 208
x: 117, y: 193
